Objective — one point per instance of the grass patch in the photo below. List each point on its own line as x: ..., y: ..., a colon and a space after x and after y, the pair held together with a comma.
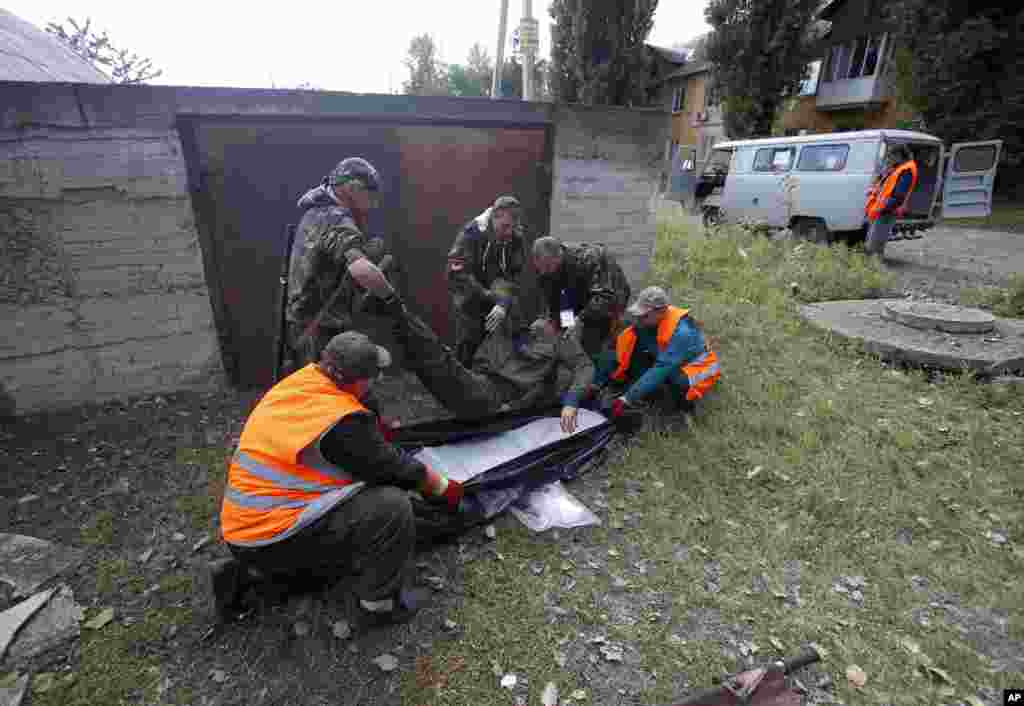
x: 115, y: 666
x: 201, y: 508
x: 1002, y: 301
x: 100, y: 529
x: 1006, y: 216
x: 117, y: 576
x: 809, y: 463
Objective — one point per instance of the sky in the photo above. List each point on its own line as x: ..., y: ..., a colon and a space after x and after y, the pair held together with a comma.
x: 343, y: 46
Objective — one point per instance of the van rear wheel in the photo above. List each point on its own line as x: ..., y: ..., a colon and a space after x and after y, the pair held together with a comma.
x: 812, y: 229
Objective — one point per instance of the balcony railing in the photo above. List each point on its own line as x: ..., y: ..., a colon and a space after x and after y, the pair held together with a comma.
x: 852, y: 92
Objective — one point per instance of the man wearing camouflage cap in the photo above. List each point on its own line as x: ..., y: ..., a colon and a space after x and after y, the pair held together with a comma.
x: 315, y: 490
x: 584, y: 290
x: 484, y: 267
x: 324, y: 289
x: 663, y: 351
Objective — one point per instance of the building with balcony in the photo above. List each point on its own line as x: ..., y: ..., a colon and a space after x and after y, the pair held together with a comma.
x: 851, y: 86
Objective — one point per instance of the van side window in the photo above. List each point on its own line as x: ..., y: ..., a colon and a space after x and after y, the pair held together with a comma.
x: 774, y: 159
x: 823, y: 158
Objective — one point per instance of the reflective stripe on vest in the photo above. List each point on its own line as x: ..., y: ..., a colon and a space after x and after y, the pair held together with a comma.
x: 880, y: 194
x: 278, y: 483
x: 701, y: 372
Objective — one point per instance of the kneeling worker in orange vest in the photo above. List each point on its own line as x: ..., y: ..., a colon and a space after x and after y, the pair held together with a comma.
x: 314, y: 489
x: 664, y: 350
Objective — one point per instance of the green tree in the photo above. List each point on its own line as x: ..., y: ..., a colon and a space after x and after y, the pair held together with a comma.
x: 97, y: 49
x: 428, y: 76
x: 759, y: 51
x: 961, y: 65
x: 598, y: 55
x: 474, y: 77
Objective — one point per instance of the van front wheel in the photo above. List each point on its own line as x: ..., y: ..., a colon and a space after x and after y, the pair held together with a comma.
x: 811, y: 229
x: 712, y: 217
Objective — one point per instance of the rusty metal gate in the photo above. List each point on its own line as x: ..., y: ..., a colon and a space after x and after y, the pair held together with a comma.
x: 246, y: 175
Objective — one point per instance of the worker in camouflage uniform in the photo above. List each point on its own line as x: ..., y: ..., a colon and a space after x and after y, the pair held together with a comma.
x: 324, y: 290
x: 516, y: 368
x: 584, y: 290
x: 484, y: 266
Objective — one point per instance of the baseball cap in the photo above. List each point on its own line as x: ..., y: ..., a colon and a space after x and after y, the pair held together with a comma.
x: 506, y: 202
x: 355, y: 356
x: 355, y: 168
x: 648, y: 300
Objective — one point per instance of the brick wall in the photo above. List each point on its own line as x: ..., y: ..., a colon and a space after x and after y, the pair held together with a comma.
x: 102, y: 291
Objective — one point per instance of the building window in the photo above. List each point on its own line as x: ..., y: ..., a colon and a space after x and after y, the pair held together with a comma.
x: 823, y: 158
x: 871, y: 56
x: 677, y: 99
x: 857, y: 62
x: 774, y: 159
x: 857, y: 59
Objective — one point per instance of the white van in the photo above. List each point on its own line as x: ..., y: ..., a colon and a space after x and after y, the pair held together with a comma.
x: 817, y: 184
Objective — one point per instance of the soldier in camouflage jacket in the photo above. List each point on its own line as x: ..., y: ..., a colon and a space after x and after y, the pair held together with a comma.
x: 484, y: 267
x: 323, y: 295
x: 586, y: 280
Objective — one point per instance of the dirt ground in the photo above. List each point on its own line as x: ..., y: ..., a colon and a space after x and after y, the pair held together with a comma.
x: 123, y: 481
x: 947, y: 260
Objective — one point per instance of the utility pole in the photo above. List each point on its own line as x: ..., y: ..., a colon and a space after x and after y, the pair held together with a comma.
x: 528, y: 37
x: 527, y: 51
x: 500, y: 58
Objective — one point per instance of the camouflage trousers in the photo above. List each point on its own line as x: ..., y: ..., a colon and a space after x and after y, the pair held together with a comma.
x: 469, y: 316
x: 456, y: 386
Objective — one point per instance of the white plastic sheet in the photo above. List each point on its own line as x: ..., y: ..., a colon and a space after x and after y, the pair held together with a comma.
x: 548, y: 506
x: 552, y: 506
x: 466, y: 459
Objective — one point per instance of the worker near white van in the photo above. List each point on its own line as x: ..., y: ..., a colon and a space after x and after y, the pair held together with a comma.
x: 889, y: 197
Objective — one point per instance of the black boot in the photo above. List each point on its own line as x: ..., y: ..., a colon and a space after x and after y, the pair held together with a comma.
x: 408, y: 601
x: 223, y: 588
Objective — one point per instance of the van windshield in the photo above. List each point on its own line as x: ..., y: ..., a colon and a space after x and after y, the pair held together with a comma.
x: 718, y: 162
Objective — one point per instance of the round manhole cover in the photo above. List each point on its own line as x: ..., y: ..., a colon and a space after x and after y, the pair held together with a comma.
x: 944, y: 317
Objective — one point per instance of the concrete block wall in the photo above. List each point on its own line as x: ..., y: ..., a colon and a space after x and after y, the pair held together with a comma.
x: 103, y: 273
x: 607, y: 168
x: 102, y: 290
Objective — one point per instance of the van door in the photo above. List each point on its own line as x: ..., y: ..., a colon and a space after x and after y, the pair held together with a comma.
x: 969, y: 178
x: 765, y: 200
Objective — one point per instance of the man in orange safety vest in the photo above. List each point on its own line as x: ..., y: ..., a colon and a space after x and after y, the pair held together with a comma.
x: 889, y: 197
x: 663, y: 351
x: 315, y: 489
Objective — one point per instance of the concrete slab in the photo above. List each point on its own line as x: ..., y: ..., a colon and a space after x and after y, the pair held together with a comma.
x: 940, y: 317
x: 12, y: 619
x: 865, y: 321
x: 53, y: 623
x: 26, y: 563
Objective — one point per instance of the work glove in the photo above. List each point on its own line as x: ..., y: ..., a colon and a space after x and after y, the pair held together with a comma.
x: 619, y: 407
x: 494, y: 319
x: 437, y: 487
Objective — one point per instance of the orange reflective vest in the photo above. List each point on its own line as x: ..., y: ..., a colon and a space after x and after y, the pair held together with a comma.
x: 278, y: 481
x: 702, y: 371
x: 881, y: 191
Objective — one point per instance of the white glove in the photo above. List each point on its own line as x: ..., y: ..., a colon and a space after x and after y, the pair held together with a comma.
x: 494, y: 319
